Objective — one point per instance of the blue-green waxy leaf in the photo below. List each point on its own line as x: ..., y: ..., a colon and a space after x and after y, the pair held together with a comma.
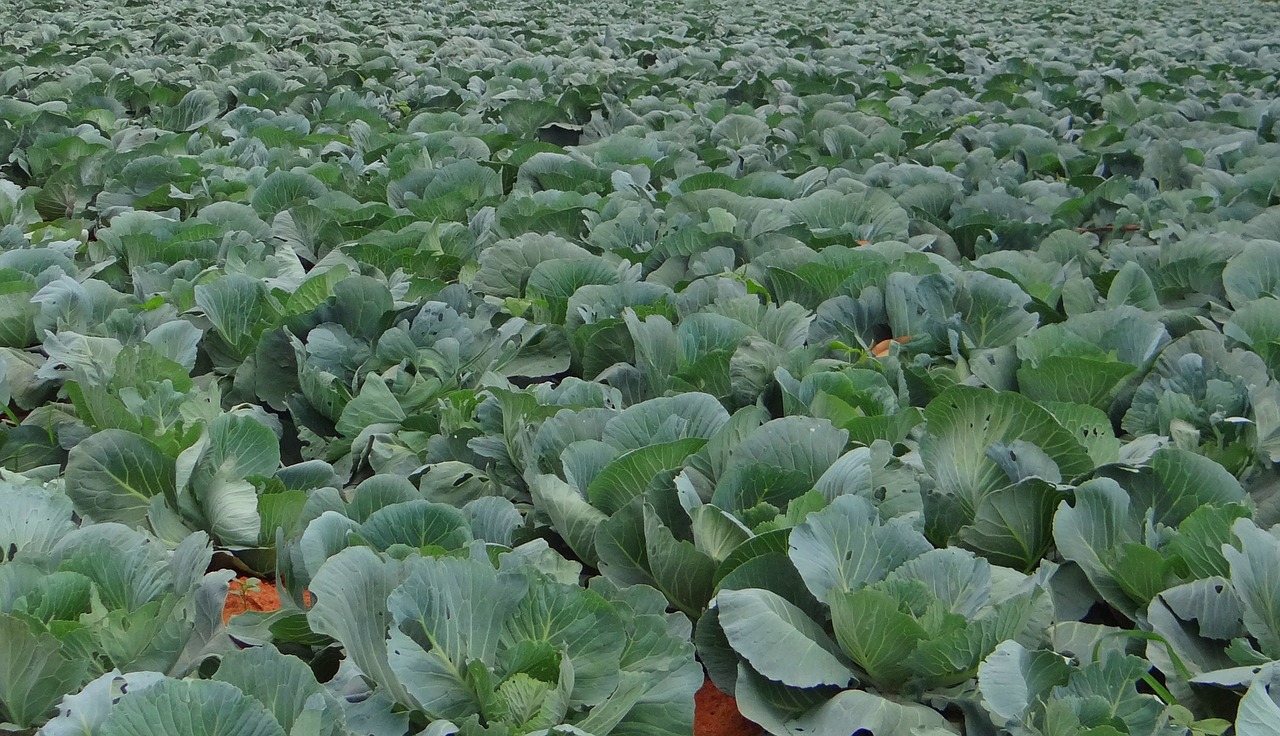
x: 963, y: 424
x: 1074, y: 379
x: 447, y: 192
x: 630, y: 474
x: 1086, y: 533
x: 558, y: 278
x: 1259, y: 713
x: 196, y: 108
x: 1123, y: 333
x: 378, y: 492
x: 956, y: 578
x: 375, y: 404
x: 1253, y: 274
x: 1201, y: 537
x: 235, y: 448
x: 493, y: 519
x: 86, y: 711
x: 17, y: 311
x: 878, y: 636
x: 635, y: 546
x: 585, y: 627
x: 779, y: 640
x: 1256, y: 324
x: 362, y: 306
x: 1013, y: 526
x: 35, y: 671
x: 506, y: 266
x: 113, y: 475
x: 416, y: 523
x: 35, y: 520
x: 1199, y: 384
x: 737, y: 131
x: 871, y: 215
x: 283, y: 189
x: 196, y: 707
x: 58, y: 596
x: 850, y: 710
x: 282, y: 683
x: 1012, y: 680
x: 954, y: 655
x: 781, y: 460
x: 1111, y: 683
x: 350, y: 592
x: 1255, y: 574
x: 235, y: 304
x: 178, y: 341
x: 127, y: 568
x: 1177, y: 483
x: 665, y: 419
x: 572, y: 516
x: 448, y: 613
x: 845, y: 546
x: 716, y: 533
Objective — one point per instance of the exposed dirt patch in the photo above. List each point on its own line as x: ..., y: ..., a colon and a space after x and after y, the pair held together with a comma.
x: 716, y: 714
x: 252, y: 594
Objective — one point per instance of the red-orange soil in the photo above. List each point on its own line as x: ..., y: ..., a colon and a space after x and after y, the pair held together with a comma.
x: 716, y: 714
x: 250, y: 594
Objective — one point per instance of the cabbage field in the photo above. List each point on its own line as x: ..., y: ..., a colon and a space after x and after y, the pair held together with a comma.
x: 906, y: 368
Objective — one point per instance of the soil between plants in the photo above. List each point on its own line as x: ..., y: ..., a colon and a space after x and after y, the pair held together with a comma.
x: 249, y: 594
x: 716, y: 714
